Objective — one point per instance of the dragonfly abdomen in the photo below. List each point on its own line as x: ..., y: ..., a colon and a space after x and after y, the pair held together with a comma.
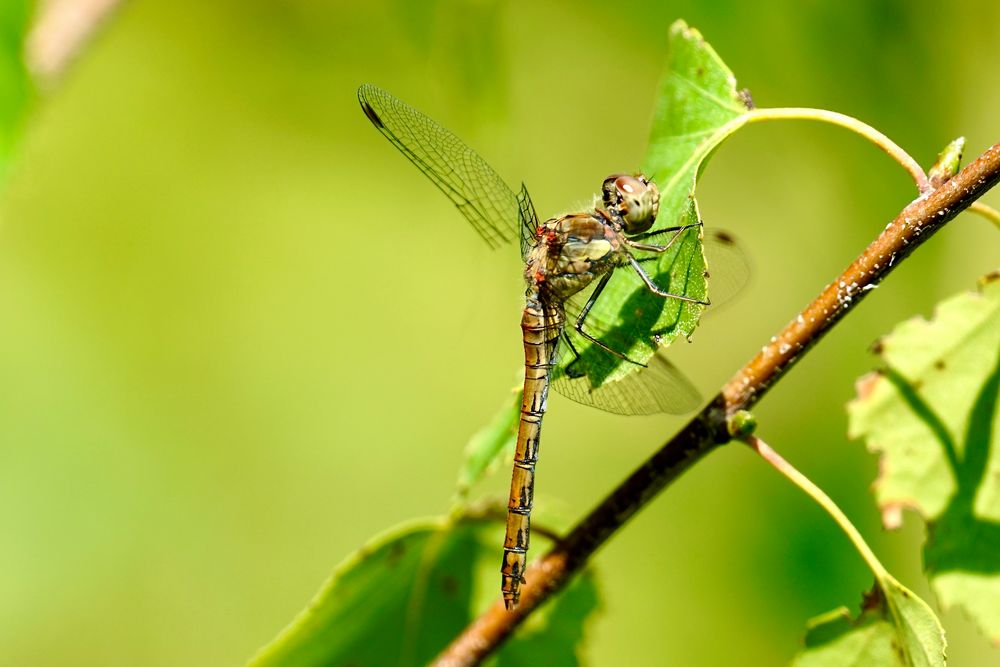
x: 541, y: 326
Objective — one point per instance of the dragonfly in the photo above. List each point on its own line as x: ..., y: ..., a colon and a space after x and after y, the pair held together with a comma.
x: 563, y: 257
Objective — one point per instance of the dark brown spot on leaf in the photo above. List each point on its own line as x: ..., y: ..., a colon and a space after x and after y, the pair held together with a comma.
x: 449, y: 586
x: 898, y: 650
x: 396, y: 552
x: 873, y: 599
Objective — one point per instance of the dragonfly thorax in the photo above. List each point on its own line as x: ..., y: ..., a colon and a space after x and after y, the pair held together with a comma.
x: 633, y: 201
x: 570, y: 251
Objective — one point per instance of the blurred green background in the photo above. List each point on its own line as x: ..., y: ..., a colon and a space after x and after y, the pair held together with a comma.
x: 222, y: 293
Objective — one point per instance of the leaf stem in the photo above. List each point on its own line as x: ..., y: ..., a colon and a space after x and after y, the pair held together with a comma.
x: 914, y: 225
x: 987, y: 212
x: 853, y: 124
x: 891, y: 148
x: 823, y: 500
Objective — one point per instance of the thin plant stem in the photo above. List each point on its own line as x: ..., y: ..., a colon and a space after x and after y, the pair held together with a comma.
x: 987, y: 212
x: 853, y: 124
x: 891, y: 148
x: 823, y: 500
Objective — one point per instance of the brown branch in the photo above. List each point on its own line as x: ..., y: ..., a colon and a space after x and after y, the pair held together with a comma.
x: 914, y: 225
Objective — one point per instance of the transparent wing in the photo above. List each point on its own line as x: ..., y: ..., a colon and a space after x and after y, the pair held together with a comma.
x: 492, y: 208
x: 659, y: 388
x: 728, y: 267
x: 729, y: 273
x: 528, y: 219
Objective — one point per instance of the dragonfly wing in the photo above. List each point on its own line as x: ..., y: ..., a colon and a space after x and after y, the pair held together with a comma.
x: 485, y: 200
x: 729, y: 273
x: 528, y: 219
x: 661, y: 387
x: 728, y: 267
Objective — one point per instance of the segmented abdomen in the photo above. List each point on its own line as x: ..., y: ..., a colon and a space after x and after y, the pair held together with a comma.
x: 541, y: 327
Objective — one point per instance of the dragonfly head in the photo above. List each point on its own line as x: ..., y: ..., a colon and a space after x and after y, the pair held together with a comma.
x: 633, y: 200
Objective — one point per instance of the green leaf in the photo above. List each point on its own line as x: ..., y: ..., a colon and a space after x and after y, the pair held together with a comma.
x: 697, y: 107
x: 487, y: 445
x: 932, y: 415
x: 15, y: 84
x: 553, y: 636
x: 397, y: 601
x: 904, y: 631
x: 895, y: 627
x: 402, y: 598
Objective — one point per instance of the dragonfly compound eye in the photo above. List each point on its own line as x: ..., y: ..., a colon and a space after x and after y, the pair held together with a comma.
x: 634, y: 200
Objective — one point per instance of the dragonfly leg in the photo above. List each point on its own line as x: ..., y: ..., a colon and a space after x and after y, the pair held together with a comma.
x: 631, y: 242
x: 665, y: 230
x: 656, y: 290
x: 571, y: 369
x: 578, y: 325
